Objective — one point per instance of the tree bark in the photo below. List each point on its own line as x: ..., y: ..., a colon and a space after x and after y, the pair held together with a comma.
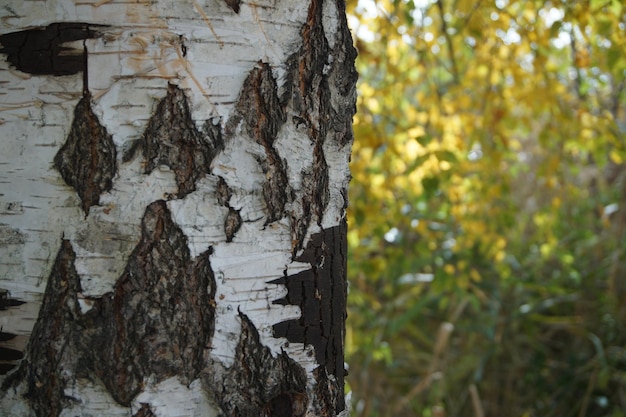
x: 172, y: 207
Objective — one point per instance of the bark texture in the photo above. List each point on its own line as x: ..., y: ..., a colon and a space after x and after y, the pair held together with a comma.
x: 178, y: 235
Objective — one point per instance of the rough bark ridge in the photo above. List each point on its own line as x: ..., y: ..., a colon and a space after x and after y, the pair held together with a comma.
x: 171, y: 139
x: 159, y: 319
x: 87, y: 160
x: 314, y: 66
x: 157, y: 323
x: 266, y: 386
x: 263, y: 117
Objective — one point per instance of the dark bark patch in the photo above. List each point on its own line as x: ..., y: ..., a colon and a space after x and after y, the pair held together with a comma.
x: 156, y: 323
x: 159, y: 319
x: 234, y: 5
x: 50, y: 350
x: 87, y: 159
x: 329, y: 394
x: 8, y: 354
x: 263, y: 116
x: 321, y: 293
x: 223, y: 192
x: 287, y: 404
x: 258, y: 384
x: 144, y: 411
x: 41, y: 51
x: 9, y: 357
x: 232, y: 223
x: 6, y: 301
x: 171, y: 139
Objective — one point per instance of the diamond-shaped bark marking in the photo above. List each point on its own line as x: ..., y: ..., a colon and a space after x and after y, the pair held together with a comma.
x: 87, y: 160
x: 171, y: 139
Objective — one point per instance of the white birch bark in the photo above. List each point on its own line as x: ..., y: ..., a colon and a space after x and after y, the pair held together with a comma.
x: 204, y: 53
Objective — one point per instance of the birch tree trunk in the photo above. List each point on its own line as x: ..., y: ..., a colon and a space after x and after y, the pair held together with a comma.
x: 172, y: 207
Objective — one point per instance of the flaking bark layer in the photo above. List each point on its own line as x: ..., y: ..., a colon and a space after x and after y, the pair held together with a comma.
x: 87, y: 159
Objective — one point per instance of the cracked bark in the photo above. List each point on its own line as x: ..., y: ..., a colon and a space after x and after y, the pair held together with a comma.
x: 263, y: 116
x: 172, y: 139
x: 87, y: 160
x: 211, y: 212
x: 285, y: 394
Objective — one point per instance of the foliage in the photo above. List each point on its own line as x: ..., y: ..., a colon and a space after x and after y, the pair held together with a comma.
x: 488, y: 209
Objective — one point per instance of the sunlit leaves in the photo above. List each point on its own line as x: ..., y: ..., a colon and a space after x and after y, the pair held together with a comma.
x: 489, y: 144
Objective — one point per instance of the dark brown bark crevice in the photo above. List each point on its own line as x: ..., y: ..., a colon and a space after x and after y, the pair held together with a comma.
x: 232, y: 223
x: 233, y: 220
x: 51, y: 350
x: 87, y: 159
x: 263, y: 115
x: 313, y: 68
x: 172, y: 139
x: 159, y: 319
x: 321, y: 293
x: 258, y: 384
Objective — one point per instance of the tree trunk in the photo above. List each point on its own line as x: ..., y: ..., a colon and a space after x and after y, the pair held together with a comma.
x: 172, y: 209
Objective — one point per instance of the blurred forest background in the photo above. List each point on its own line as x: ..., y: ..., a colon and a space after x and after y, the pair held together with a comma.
x: 488, y: 209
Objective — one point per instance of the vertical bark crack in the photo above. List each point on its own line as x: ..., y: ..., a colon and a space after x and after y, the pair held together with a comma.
x: 263, y: 116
